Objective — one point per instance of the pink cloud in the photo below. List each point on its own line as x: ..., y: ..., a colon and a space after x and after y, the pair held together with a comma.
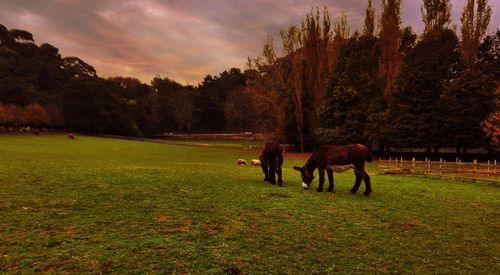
x: 180, y: 39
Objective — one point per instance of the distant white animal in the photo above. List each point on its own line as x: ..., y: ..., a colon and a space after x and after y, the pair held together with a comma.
x: 255, y: 162
x: 241, y: 162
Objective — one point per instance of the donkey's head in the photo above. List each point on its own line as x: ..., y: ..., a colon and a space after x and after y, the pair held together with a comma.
x: 307, y: 177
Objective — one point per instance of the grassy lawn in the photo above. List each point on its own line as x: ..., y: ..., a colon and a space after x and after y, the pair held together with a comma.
x: 103, y: 205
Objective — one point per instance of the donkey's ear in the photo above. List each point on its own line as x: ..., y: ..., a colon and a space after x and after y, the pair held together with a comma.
x: 297, y: 168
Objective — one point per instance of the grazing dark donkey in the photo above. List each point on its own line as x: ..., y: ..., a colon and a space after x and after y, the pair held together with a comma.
x: 271, y: 160
x: 326, y: 156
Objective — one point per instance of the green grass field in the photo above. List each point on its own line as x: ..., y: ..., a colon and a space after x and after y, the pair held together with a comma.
x: 94, y: 205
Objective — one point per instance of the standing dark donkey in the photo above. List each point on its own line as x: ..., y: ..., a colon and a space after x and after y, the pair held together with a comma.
x: 271, y: 160
x: 328, y: 155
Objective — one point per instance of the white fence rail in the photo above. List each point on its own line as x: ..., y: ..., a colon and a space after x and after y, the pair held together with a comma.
x: 457, y: 169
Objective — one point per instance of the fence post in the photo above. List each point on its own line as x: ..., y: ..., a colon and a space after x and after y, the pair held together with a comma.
x: 413, y: 165
x: 474, y: 166
x: 440, y: 167
x: 428, y: 166
x: 425, y: 166
x: 495, y: 167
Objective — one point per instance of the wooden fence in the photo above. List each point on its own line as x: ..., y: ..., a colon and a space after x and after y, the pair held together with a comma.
x: 457, y: 169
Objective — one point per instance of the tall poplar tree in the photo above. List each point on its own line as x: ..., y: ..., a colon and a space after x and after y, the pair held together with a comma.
x: 436, y: 15
x: 475, y: 19
x: 369, y: 27
x: 390, y: 41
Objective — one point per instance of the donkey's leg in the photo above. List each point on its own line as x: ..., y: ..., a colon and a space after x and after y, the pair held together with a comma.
x: 368, y: 184
x: 272, y: 169
x: 265, y: 169
x: 321, y: 173
x: 357, y: 183
x: 330, y: 180
x: 279, y: 171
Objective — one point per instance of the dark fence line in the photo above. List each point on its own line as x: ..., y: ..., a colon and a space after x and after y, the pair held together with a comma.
x: 489, y: 170
x: 242, y: 136
x: 155, y: 140
x: 178, y: 142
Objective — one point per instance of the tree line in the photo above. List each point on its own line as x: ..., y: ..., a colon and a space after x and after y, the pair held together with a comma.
x: 316, y: 83
x: 40, y: 88
x: 386, y: 85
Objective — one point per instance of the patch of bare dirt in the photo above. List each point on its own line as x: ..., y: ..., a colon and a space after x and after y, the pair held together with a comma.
x: 278, y: 195
x: 162, y: 218
x: 207, y: 210
x: 249, y: 213
x: 411, y: 226
x: 69, y: 230
x: 235, y: 227
x: 211, y: 227
x: 182, y: 228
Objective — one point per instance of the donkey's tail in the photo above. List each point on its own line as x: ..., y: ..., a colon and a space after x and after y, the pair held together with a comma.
x: 369, y: 158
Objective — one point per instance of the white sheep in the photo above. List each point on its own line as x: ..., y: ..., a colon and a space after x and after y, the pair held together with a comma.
x: 241, y: 162
x: 255, y: 162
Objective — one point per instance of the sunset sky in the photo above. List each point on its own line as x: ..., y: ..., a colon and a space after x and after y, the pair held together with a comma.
x: 180, y: 39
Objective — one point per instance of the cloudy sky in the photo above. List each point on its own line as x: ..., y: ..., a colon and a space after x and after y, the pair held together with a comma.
x: 180, y: 39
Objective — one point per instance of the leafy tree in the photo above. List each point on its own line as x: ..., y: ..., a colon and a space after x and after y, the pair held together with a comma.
x: 415, y: 115
x: 408, y: 40
x: 238, y: 110
x: 90, y: 106
x: 473, y: 99
x: 49, y: 75
x: 181, y: 107
x: 267, y: 77
x: 36, y: 115
x: 10, y: 115
x: 264, y: 107
x: 211, y: 95
x: 491, y: 128
x: 354, y: 108
x: 77, y: 68
x: 135, y: 94
x: 468, y: 101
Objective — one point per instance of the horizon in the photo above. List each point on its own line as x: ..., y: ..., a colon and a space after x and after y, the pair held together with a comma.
x: 144, y: 39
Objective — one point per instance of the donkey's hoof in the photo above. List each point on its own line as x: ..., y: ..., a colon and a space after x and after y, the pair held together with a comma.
x: 330, y: 189
x: 319, y: 190
x: 353, y: 191
x: 366, y: 193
